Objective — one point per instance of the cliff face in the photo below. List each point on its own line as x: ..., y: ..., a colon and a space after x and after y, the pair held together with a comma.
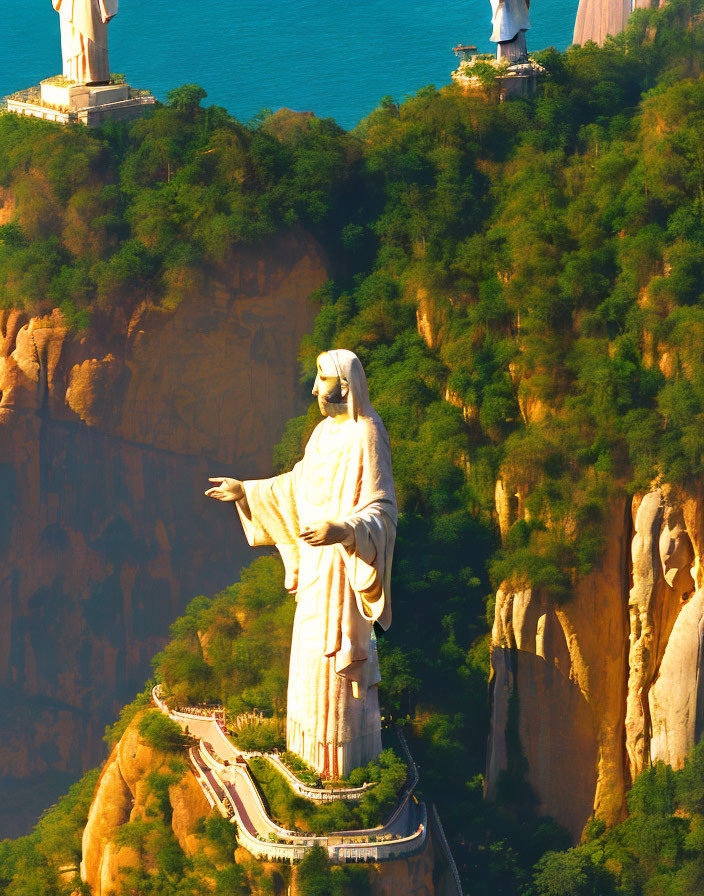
x: 107, y: 437
x: 588, y: 693
x: 124, y: 795
x: 596, y: 19
x: 128, y: 797
x: 419, y: 875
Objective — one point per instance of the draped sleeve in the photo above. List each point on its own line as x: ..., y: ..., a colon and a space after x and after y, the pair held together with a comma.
x: 368, y: 561
x: 373, y: 522
x: 273, y: 518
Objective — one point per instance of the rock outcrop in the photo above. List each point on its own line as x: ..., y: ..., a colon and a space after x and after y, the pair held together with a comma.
x: 425, y: 874
x: 589, y: 692
x: 123, y: 795
x: 107, y: 436
x: 596, y: 19
x: 142, y: 789
x: 662, y: 558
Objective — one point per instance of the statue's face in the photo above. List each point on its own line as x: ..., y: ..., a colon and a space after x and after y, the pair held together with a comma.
x: 328, y: 388
x: 676, y: 553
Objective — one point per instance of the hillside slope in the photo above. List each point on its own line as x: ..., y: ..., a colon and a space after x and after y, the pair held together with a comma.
x: 522, y: 282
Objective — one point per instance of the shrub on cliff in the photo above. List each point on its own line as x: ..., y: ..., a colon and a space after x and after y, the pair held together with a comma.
x: 161, y: 732
x: 572, y: 874
x: 29, y: 866
x: 317, y: 877
x: 115, y: 731
x: 264, y: 737
x: 244, y: 664
x: 111, y: 217
x: 657, y: 849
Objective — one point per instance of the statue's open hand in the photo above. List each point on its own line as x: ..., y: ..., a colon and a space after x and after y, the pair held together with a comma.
x: 226, y: 490
x: 325, y: 533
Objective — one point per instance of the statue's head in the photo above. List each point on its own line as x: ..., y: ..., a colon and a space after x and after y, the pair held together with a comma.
x: 341, y: 385
x: 676, y: 552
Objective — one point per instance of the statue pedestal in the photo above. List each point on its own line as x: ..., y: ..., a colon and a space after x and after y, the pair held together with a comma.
x: 81, y: 96
x: 492, y: 78
x: 64, y: 102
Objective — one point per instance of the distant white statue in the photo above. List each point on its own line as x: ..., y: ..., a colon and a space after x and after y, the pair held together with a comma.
x: 511, y: 21
x: 333, y: 519
x: 84, y: 38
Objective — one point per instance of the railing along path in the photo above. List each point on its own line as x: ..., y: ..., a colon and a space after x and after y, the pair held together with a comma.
x: 229, y: 787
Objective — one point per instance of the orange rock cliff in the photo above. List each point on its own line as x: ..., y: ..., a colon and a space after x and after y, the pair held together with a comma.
x: 107, y: 436
x: 125, y: 795
x: 587, y: 693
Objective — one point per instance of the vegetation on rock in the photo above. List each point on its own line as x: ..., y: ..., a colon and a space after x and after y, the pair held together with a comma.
x: 234, y: 648
x: 317, y: 877
x: 523, y: 283
x: 161, y: 732
x: 114, y: 732
x: 30, y: 866
x: 656, y: 850
x: 108, y: 218
x: 373, y: 809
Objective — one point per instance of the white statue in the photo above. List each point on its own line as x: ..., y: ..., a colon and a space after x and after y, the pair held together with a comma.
x: 84, y: 39
x: 511, y: 21
x: 333, y: 520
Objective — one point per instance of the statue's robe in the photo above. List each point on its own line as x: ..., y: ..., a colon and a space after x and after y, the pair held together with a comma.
x: 333, y: 719
x: 510, y: 20
x: 597, y: 19
x: 84, y: 38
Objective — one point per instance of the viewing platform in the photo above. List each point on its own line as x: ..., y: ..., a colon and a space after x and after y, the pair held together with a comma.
x: 229, y: 787
x: 64, y: 102
x: 483, y: 73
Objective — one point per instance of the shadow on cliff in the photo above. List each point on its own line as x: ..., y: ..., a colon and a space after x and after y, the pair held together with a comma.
x: 106, y: 443
x: 549, y: 721
x: 104, y: 552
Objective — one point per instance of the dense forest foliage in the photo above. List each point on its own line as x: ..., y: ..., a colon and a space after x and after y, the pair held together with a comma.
x: 109, y: 219
x: 657, y: 851
x: 523, y: 283
x: 30, y: 866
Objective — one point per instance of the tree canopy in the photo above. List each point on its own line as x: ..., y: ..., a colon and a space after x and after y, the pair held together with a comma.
x: 523, y: 284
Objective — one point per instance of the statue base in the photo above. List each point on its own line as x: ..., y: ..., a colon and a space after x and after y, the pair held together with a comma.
x: 496, y: 79
x: 65, y: 102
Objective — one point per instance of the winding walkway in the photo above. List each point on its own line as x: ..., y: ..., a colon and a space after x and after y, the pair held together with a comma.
x: 228, y: 785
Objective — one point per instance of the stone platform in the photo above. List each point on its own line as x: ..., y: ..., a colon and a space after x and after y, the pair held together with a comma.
x: 494, y: 78
x: 65, y: 102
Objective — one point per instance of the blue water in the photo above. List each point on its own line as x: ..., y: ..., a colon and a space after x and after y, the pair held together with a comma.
x: 335, y: 58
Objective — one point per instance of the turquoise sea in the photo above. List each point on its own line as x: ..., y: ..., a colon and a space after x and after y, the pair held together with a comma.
x: 334, y: 57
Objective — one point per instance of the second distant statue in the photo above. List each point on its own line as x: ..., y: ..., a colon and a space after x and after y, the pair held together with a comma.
x: 333, y: 519
x: 84, y: 39
x: 511, y: 21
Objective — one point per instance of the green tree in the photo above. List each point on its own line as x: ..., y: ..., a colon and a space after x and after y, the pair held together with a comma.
x: 161, y: 732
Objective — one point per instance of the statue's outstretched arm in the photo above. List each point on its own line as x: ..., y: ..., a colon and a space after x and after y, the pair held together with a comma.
x: 229, y: 490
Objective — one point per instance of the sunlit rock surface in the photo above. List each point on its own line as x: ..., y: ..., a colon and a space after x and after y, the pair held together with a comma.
x: 588, y: 693
x: 107, y: 436
x: 123, y: 795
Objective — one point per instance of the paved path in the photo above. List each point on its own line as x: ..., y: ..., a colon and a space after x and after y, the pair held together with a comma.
x: 231, y: 781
